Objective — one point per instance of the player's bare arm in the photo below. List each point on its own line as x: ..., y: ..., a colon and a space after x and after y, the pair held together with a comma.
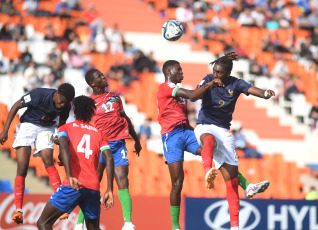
x: 13, y: 111
x: 132, y: 133
x: 198, y: 92
x: 65, y: 157
x: 266, y: 94
x: 108, y: 200
x: 184, y: 93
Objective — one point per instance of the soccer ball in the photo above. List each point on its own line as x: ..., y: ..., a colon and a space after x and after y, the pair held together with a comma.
x: 172, y: 30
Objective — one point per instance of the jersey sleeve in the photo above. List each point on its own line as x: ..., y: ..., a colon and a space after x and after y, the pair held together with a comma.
x: 32, y: 98
x: 120, y: 104
x: 243, y: 86
x: 205, y: 80
x: 169, y: 90
x: 63, y: 132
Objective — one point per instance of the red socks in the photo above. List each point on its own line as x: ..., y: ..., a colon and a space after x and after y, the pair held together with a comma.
x: 233, y: 201
x: 19, y: 185
x: 54, y: 177
x: 207, y: 152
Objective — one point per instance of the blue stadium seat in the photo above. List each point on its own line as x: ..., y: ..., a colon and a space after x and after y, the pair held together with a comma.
x: 5, y: 186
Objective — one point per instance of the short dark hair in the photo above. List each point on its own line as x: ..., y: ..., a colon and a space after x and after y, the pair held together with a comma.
x: 84, y: 108
x: 89, y: 76
x: 168, y: 64
x: 226, y: 61
x: 67, y: 90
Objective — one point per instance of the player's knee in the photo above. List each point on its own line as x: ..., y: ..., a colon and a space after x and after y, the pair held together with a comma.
x: 177, y: 184
x: 40, y: 224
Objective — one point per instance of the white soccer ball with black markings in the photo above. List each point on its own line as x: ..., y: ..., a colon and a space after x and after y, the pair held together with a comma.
x: 172, y: 30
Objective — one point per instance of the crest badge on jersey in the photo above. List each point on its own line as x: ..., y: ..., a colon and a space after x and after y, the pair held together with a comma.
x: 27, y: 98
x: 230, y: 92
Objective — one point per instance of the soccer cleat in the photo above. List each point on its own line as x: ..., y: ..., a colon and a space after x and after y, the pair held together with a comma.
x: 18, y: 216
x: 79, y: 226
x: 209, y: 178
x: 253, y: 189
x: 128, y: 226
x: 63, y: 216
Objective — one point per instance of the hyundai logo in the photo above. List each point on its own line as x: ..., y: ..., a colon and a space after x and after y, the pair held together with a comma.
x: 216, y: 216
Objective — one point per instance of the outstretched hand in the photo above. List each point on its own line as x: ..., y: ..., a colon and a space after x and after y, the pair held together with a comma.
x: 137, y: 148
x: 75, y: 184
x: 269, y: 93
x: 3, y: 137
x: 108, y: 200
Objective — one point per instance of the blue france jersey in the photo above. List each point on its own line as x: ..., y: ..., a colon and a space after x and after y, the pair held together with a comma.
x: 41, y: 109
x: 218, y: 103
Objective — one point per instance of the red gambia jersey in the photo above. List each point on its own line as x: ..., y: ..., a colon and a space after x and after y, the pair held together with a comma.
x: 172, y: 109
x: 85, y: 144
x: 107, y: 117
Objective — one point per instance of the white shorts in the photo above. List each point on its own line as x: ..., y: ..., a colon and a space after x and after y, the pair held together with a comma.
x: 224, y: 152
x: 35, y: 136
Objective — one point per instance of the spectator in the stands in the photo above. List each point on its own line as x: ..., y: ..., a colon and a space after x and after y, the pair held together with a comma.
x: 258, y: 15
x: 305, y: 51
x: 116, y: 40
x: 76, y: 45
x: 313, y: 115
x: 254, y: 67
x: 26, y: 56
x: 19, y: 32
x: 290, y: 86
x: 240, y: 140
x: 49, y: 33
x: 7, y: 7
x: 246, y: 19
x: 142, y: 63
x: 184, y: 15
x: 5, y: 32
x: 280, y: 68
x: 62, y: 9
x: 31, y: 7
x: 19, y: 66
x: 220, y: 24
x: 74, y: 4
x: 145, y: 130
x: 314, y: 36
x: 120, y: 73
x: 74, y: 60
x: 101, y: 43
x: 276, y: 83
x: 31, y: 77
x: 236, y: 10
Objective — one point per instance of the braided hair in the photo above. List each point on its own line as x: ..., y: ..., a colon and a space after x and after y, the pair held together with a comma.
x: 89, y: 76
x: 84, y: 108
x: 226, y: 61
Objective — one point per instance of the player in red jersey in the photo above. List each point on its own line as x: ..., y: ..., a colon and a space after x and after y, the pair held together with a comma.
x: 111, y: 119
x: 178, y: 135
x: 80, y: 147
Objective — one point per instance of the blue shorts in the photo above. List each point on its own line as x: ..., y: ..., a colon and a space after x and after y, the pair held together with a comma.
x: 119, y: 151
x: 66, y: 199
x: 176, y: 142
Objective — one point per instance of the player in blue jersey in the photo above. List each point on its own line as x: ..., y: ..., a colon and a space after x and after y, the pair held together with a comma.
x: 219, y: 92
x: 36, y: 130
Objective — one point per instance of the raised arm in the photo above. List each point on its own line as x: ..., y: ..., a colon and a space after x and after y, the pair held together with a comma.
x: 198, y: 92
x: 266, y: 94
x: 132, y: 133
x: 184, y: 93
x: 13, y: 111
